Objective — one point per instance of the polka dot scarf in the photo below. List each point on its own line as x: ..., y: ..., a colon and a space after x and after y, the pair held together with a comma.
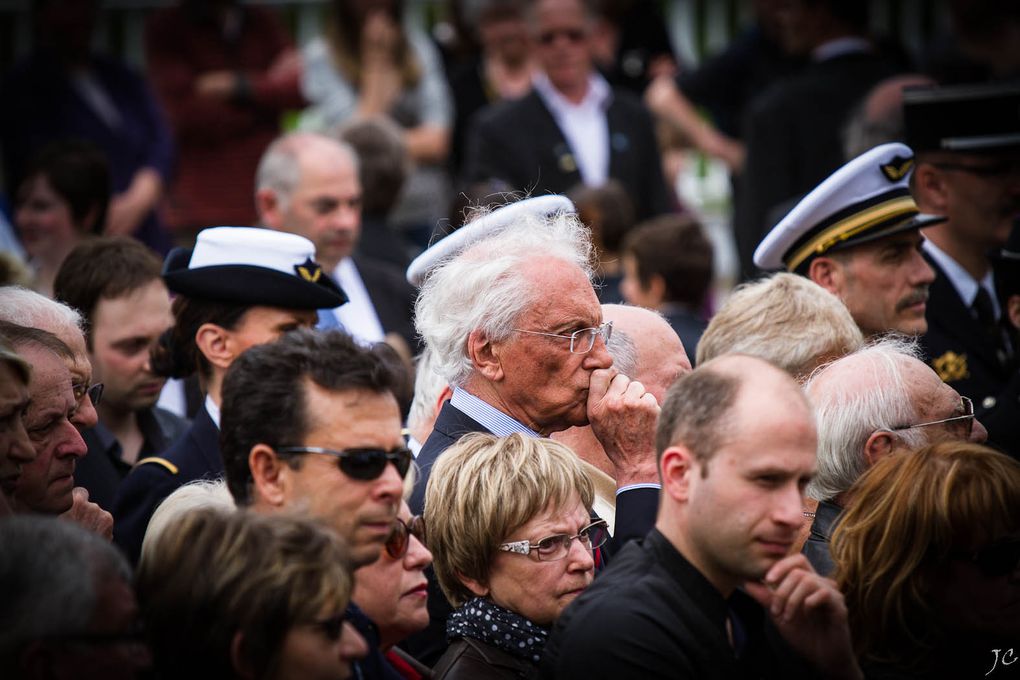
x: 487, y: 622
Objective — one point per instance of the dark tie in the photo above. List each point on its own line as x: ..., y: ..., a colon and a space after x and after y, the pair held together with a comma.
x: 985, y: 314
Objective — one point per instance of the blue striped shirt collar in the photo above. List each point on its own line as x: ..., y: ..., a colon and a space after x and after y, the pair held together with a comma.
x: 487, y: 415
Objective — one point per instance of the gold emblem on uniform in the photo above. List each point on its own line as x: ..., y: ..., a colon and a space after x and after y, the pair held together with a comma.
x: 567, y: 162
x: 951, y: 366
x: 897, y: 168
x: 310, y: 271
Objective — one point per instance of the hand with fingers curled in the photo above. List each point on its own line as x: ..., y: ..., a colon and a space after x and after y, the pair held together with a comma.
x: 623, y: 415
x: 810, y: 613
x: 89, y: 515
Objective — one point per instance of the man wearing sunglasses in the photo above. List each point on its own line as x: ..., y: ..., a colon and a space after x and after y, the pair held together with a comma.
x: 967, y: 141
x: 572, y: 127
x: 880, y: 399
x: 310, y: 424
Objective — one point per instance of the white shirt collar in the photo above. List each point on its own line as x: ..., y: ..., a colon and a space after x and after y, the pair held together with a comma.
x: 213, y: 410
x: 598, y: 95
x: 966, y: 285
x: 487, y: 415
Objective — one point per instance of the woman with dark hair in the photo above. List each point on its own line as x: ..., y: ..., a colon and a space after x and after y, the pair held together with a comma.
x: 237, y: 288
x: 367, y: 64
x: 928, y: 558
x: 62, y: 200
x: 237, y: 595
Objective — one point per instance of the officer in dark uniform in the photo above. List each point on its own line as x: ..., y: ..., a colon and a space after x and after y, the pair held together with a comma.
x: 967, y: 143
x: 1005, y: 417
x: 239, y: 287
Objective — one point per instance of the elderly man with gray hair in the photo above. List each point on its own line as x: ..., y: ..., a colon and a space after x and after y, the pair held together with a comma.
x: 877, y: 400
x: 509, y: 309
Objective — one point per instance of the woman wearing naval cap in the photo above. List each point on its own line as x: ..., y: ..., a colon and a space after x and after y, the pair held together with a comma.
x: 237, y: 288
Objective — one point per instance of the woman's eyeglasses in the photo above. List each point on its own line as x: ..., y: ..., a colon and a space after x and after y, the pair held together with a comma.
x: 399, y: 539
x: 365, y: 464
x: 557, y: 546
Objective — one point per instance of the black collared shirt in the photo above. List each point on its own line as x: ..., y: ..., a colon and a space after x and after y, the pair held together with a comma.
x: 652, y: 614
x: 103, y: 467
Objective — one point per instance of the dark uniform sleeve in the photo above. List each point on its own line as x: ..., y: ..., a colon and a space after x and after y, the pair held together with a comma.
x: 145, y: 488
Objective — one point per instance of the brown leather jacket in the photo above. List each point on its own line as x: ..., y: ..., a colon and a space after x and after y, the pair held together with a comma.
x: 469, y: 659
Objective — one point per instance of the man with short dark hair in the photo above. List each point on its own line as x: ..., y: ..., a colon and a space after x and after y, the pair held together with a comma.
x: 310, y: 425
x: 712, y: 591
x: 115, y: 284
x: 667, y: 266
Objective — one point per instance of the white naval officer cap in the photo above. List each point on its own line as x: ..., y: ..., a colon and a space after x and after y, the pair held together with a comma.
x: 865, y: 200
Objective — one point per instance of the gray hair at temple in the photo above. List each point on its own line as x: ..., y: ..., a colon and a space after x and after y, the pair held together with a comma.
x: 280, y: 167
x: 28, y: 308
x: 483, y: 288
x: 853, y: 397
x: 428, y: 385
x: 49, y: 570
x: 624, y: 352
x: 786, y: 319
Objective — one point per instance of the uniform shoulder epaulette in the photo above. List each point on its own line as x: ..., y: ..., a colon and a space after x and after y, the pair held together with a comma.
x: 163, y: 462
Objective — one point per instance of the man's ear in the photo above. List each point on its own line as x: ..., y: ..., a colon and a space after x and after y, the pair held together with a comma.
x: 215, y: 344
x: 269, y: 208
x: 1013, y: 310
x: 676, y: 468
x: 269, y: 474
x: 880, y: 443
x: 827, y: 273
x: 930, y: 189
x: 484, y: 355
x: 443, y: 397
x: 656, y: 288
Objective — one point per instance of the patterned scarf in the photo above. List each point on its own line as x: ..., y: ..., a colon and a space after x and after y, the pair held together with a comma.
x: 487, y: 622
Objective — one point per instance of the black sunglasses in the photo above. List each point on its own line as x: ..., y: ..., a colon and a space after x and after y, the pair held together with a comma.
x: 365, y: 464
x: 399, y: 539
x: 996, y: 559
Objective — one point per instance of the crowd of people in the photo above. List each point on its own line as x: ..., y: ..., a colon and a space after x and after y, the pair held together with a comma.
x: 261, y: 418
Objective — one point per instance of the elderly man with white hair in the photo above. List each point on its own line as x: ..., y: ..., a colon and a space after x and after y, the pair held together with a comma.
x: 509, y: 310
x: 877, y: 400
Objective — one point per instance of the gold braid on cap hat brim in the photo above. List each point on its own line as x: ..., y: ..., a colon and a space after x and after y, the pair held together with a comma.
x: 894, y: 210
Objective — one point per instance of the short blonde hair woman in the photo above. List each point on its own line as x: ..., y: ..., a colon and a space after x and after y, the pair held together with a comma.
x: 502, y: 516
x: 228, y: 594
x: 928, y: 558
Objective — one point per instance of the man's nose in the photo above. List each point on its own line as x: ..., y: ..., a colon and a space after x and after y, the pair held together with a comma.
x: 598, y: 356
x: 921, y: 272
x: 73, y: 444
x: 978, y: 433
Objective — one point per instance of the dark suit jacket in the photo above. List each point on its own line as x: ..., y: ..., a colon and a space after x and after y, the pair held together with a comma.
x: 392, y: 296
x: 196, y: 455
x: 965, y: 358
x: 635, y: 515
x: 794, y: 139
x: 520, y: 143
